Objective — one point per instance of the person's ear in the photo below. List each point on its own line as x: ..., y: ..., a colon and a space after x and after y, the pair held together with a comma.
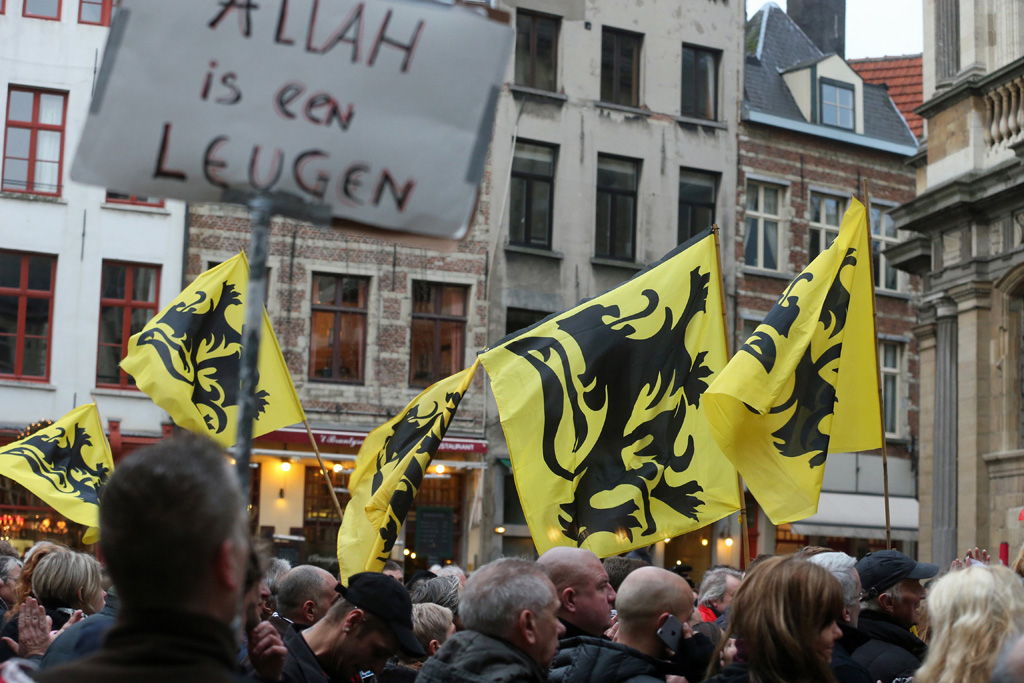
x: 568, y: 599
x: 352, y: 620
x: 662, y: 619
x: 228, y: 569
x: 885, y: 602
x: 432, y: 647
x: 527, y: 624
x: 309, y: 610
x: 846, y: 614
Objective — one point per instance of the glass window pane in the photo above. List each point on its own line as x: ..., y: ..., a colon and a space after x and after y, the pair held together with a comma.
x: 39, y: 273
x: 890, y: 225
x: 46, y: 178
x: 20, y: 106
x: 697, y: 187
x: 703, y: 217
x: 422, y: 351
x: 523, y: 59
x: 875, y: 220
x: 771, y: 201
x: 51, y: 109
x: 815, y: 208
x: 706, y: 95
x: 517, y: 211
x: 353, y: 292
x: 540, y: 217
x: 618, y: 174
x: 846, y: 118
x: 33, y: 363
x: 889, y: 385
x: 15, y: 174
x: 831, y: 211
x: 92, y: 13
x: 628, y: 58
x: 18, y: 142
x: 7, y: 350
x: 10, y: 269
x: 602, y: 235
x: 608, y: 67
x: 689, y: 105
x: 453, y: 301
x: 320, y: 338
x: 140, y: 316
x: 623, y: 233
x: 324, y: 288
x: 422, y: 297
x: 750, y: 242
x: 452, y: 341
x: 8, y: 314
x: 144, y: 284
x: 534, y: 159
x: 544, y: 75
x: 114, y: 276
x: 41, y: 8
x: 815, y: 246
x: 771, y: 245
x: 891, y: 277
x: 107, y: 370
x: 37, y: 316
x: 890, y: 355
x: 752, y: 197
x: 111, y: 325
x: 828, y: 93
x: 845, y: 97
x: 876, y: 264
x: 350, y: 347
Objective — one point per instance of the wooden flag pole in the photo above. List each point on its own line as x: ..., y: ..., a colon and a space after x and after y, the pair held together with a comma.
x: 744, y: 533
x: 878, y: 372
x: 323, y: 469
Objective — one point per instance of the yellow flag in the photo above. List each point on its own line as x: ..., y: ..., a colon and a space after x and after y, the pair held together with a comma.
x: 805, y: 383
x: 187, y: 359
x: 603, y: 413
x: 65, y: 464
x: 389, y: 470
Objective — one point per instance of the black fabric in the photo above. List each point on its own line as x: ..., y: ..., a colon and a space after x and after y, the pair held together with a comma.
x: 471, y: 657
x: 734, y: 673
x: 892, y: 651
x: 85, y: 637
x: 844, y: 667
x: 574, y: 631
x: 592, y: 660
x: 301, y: 665
x: 397, y: 673
x: 694, y: 655
x: 158, y: 646
x: 58, y: 617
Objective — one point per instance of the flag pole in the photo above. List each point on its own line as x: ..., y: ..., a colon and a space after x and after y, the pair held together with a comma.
x: 878, y: 371
x: 744, y: 533
x: 323, y: 470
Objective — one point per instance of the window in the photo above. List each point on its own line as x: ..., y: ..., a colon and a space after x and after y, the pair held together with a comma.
x: 34, y: 144
x: 98, y: 12
x: 826, y: 215
x: 133, y: 200
x: 26, y: 311
x: 700, y: 83
x: 536, y: 50
x: 337, y: 344
x: 620, y: 67
x: 616, y: 207
x: 517, y: 319
x: 889, y: 361
x: 42, y: 9
x: 438, y: 332
x: 837, y: 105
x: 761, y: 243
x: 533, y: 184
x: 696, y: 202
x: 883, y: 236
x: 128, y: 300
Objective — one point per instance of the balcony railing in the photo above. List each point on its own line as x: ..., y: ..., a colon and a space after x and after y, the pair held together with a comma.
x: 1003, y: 96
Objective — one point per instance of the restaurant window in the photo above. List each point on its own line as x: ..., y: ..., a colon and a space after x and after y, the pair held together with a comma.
x: 532, y: 195
x: 129, y: 293
x: 337, y: 346
x: 700, y: 82
x: 537, y: 50
x: 320, y: 519
x: 26, y: 314
x: 761, y: 242
x: 826, y: 216
x: 696, y: 202
x: 42, y: 9
x: 617, y: 183
x: 883, y: 236
x: 34, y: 143
x: 620, y: 67
x: 437, y: 348
x: 837, y: 105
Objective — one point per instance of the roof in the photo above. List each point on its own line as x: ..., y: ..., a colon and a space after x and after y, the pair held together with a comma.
x: 903, y: 76
x: 775, y: 44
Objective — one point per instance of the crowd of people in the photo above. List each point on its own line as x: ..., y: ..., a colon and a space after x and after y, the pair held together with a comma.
x: 185, y: 595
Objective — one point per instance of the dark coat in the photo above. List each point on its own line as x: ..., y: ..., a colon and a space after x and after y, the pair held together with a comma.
x: 395, y: 672
x: 58, y: 618
x: 844, y: 667
x: 85, y: 637
x: 592, y: 660
x: 301, y: 665
x: 737, y: 672
x: 471, y: 657
x: 892, y: 651
x: 573, y: 631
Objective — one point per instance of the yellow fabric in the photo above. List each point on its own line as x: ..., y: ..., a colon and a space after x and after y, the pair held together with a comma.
x: 603, y: 414
x: 187, y: 359
x: 805, y: 383
x: 64, y: 464
x: 389, y: 471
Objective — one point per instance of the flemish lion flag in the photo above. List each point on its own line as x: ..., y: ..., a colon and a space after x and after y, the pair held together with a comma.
x: 805, y: 384
x: 187, y: 359
x: 389, y: 470
x: 65, y: 464
x: 603, y: 410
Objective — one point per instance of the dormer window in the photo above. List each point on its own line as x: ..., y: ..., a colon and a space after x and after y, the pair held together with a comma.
x: 837, y: 105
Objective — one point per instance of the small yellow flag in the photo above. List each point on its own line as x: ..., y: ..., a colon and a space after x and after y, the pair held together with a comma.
x: 187, y: 359
x: 389, y: 471
x: 805, y: 384
x: 65, y: 464
x: 603, y: 410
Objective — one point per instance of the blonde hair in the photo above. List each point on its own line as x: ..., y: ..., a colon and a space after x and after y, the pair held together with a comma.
x: 973, y: 612
x: 429, y: 622
x: 23, y: 587
x: 68, y: 579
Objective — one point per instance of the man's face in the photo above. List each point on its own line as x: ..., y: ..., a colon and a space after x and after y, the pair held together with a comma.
x: 395, y: 574
x: 365, y: 649
x: 731, y: 584
x: 905, y: 611
x: 594, y: 599
x: 8, y: 587
x: 549, y: 629
x: 853, y: 611
x: 328, y: 596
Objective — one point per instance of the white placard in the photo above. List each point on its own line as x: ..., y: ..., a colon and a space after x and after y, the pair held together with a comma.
x: 380, y: 109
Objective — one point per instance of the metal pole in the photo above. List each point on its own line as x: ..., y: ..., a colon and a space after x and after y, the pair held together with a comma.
x: 259, y: 217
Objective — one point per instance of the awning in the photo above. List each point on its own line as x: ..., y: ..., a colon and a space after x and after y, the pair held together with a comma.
x: 860, y: 515
x: 340, y: 438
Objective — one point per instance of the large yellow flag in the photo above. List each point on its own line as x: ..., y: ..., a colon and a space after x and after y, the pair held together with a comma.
x: 187, y: 359
x: 806, y: 382
x: 65, y: 464
x: 389, y: 470
x: 603, y: 410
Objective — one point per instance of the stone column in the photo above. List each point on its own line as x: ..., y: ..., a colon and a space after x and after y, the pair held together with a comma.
x: 944, y: 465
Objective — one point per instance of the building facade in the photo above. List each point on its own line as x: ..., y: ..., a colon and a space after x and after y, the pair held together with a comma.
x: 968, y: 221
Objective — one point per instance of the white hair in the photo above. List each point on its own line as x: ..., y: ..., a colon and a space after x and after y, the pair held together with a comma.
x: 842, y: 567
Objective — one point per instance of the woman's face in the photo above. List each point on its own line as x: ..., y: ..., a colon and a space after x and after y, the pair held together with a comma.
x: 826, y: 640
x: 93, y: 601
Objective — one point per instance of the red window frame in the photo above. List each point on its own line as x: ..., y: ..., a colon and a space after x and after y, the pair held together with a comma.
x: 25, y: 12
x: 24, y: 293
x: 106, y: 12
x: 133, y: 200
x: 34, y: 128
x: 2, y: 6
x: 128, y: 304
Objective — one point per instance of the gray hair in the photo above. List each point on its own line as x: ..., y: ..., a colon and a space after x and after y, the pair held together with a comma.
x: 499, y: 592
x: 7, y: 563
x: 895, y: 593
x: 714, y: 584
x: 842, y: 567
x: 429, y: 622
x: 451, y: 570
x: 305, y: 582
x: 276, y: 568
x: 441, y: 590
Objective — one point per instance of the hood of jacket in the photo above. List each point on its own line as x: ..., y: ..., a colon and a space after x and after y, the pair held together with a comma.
x: 469, y: 656
x: 593, y: 660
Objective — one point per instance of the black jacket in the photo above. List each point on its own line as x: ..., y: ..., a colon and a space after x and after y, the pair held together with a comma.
x: 737, y: 672
x: 572, y: 631
x: 85, y: 637
x: 592, y: 660
x: 58, y: 617
x: 471, y: 657
x: 892, y: 651
x: 301, y: 665
x: 844, y: 667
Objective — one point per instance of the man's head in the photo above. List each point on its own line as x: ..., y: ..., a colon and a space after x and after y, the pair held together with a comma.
x: 647, y: 598
x: 619, y: 568
x: 305, y: 593
x: 453, y: 570
x: 514, y: 600
x: 440, y: 590
x: 173, y: 530
x: 718, y: 587
x: 394, y: 570
x: 276, y: 568
x: 584, y: 593
x: 10, y: 570
x: 432, y: 625
x: 892, y: 584
x: 843, y: 567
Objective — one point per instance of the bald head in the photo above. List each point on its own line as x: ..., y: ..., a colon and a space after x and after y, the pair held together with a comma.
x: 646, y: 598
x: 305, y: 593
x: 582, y: 585
x: 568, y: 566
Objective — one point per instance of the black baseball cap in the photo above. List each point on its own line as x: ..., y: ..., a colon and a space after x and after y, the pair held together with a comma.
x: 387, y: 599
x: 882, y: 570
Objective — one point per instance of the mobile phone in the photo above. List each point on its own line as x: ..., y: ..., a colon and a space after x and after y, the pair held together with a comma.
x: 671, y: 632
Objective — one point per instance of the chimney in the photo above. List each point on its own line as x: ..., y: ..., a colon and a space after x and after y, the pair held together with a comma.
x: 824, y: 22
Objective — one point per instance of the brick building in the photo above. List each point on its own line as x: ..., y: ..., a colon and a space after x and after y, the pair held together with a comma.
x: 812, y: 129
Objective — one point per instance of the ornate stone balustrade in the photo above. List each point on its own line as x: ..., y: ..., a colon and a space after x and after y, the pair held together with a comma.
x: 1003, y: 125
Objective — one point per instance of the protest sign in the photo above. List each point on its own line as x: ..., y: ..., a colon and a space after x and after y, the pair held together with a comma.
x: 380, y: 110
